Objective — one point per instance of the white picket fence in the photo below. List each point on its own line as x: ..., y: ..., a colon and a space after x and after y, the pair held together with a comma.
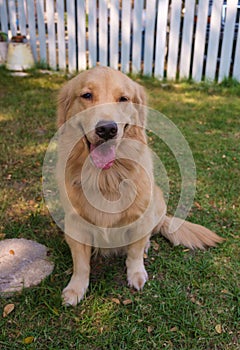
x: 161, y: 38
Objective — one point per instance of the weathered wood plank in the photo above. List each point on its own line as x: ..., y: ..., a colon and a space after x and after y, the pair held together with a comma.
x: 174, y: 39
x: 227, y: 44
x: 125, y: 35
x: 161, y: 36
x: 149, y: 37
x: 187, y: 39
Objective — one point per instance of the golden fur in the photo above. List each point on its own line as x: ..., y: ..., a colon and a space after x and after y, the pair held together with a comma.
x: 108, y: 86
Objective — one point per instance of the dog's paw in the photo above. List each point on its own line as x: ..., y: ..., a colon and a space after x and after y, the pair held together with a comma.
x: 73, y: 293
x: 71, y: 297
x: 137, y: 279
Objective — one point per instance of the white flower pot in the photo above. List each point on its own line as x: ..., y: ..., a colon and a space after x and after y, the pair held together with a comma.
x: 19, y: 56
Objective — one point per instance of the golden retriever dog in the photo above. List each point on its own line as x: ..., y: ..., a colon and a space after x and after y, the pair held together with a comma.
x: 105, y: 177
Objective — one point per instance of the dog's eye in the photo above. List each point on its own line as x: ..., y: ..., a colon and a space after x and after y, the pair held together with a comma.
x: 123, y: 99
x: 87, y: 96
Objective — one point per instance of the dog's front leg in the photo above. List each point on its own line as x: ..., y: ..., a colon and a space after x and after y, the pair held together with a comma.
x: 136, y: 273
x: 76, y: 288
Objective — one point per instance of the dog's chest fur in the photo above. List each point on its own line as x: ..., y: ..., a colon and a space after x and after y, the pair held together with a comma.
x: 113, y: 198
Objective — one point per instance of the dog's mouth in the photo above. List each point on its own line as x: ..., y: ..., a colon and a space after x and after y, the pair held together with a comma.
x: 102, y: 154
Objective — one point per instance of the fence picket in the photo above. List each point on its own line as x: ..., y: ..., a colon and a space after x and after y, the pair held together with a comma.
x: 200, y: 39
x: 227, y: 44
x: 92, y: 33
x: 174, y: 39
x: 137, y: 36
x: 72, y: 63
x: 187, y: 38
x: 125, y: 35
x: 51, y: 33
x: 213, y: 44
x: 114, y: 33
x: 13, y: 17
x: 149, y: 37
x: 22, y: 17
x: 61, y: 42
x: 32, y: 28
x: 103, y: 32
x: 236, y: 67
x: 161, y: 35
x: 41, y: 30
x: 81, y: 37
x: 3, y: 16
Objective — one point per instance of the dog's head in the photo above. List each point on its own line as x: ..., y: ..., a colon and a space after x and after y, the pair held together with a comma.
x: 110, y: 100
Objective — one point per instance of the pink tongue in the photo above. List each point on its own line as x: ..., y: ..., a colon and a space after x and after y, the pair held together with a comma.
x: 103, y: 156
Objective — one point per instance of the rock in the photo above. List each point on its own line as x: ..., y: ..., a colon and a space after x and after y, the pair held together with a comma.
x: 23, y: 263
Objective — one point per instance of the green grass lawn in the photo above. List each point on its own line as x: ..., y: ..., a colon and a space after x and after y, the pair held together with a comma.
x: 192, y: 299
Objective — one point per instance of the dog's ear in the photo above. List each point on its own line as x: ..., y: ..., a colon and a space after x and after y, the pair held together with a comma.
x: 64, y: 103
x: 141, y: 99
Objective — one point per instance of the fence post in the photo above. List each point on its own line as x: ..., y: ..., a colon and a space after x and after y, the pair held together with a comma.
x: 227, y: 43
x: 81, y: 34
x: 213, y: 42
x: 32, y: 27
x: 61, y: 41
x: 92, y: 33
x: 149, y: 37
x: 22, y: 17
x: 174, y: 39
x: 137, y: 36
x: 12, y: 17
x: 126, y: 32
x: 200, y: 39
x: 103, y: 32
x: 187, y: 37
x: 161, y: 36
x: 41, y: 30
x: 3, y: 16
x: 51, y: 33
x: 114, y: 33
x: 236, y: 67
x: 71, y: 26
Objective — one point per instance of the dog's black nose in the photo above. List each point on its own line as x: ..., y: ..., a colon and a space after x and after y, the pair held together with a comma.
x: 106, y: 129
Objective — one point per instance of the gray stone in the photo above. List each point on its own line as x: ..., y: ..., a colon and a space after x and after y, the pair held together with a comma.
x: 23, y: 263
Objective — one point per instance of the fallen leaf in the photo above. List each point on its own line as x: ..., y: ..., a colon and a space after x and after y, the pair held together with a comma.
x: 155, y: 245
x: 150, y: 329
x: 28, y: 340
x: 116, y: 301
x: 174, y: 329
x: 225, y: 291
x: 127, y: 302
x: 198, y: 205
x: 8, y: 309
x: 218, y: 328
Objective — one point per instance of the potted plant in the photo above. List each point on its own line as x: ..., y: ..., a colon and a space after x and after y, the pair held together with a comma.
x: 19, y: 55
x: 3, y: 47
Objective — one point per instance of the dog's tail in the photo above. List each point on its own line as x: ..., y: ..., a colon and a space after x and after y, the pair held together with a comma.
x: 178, y: 231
